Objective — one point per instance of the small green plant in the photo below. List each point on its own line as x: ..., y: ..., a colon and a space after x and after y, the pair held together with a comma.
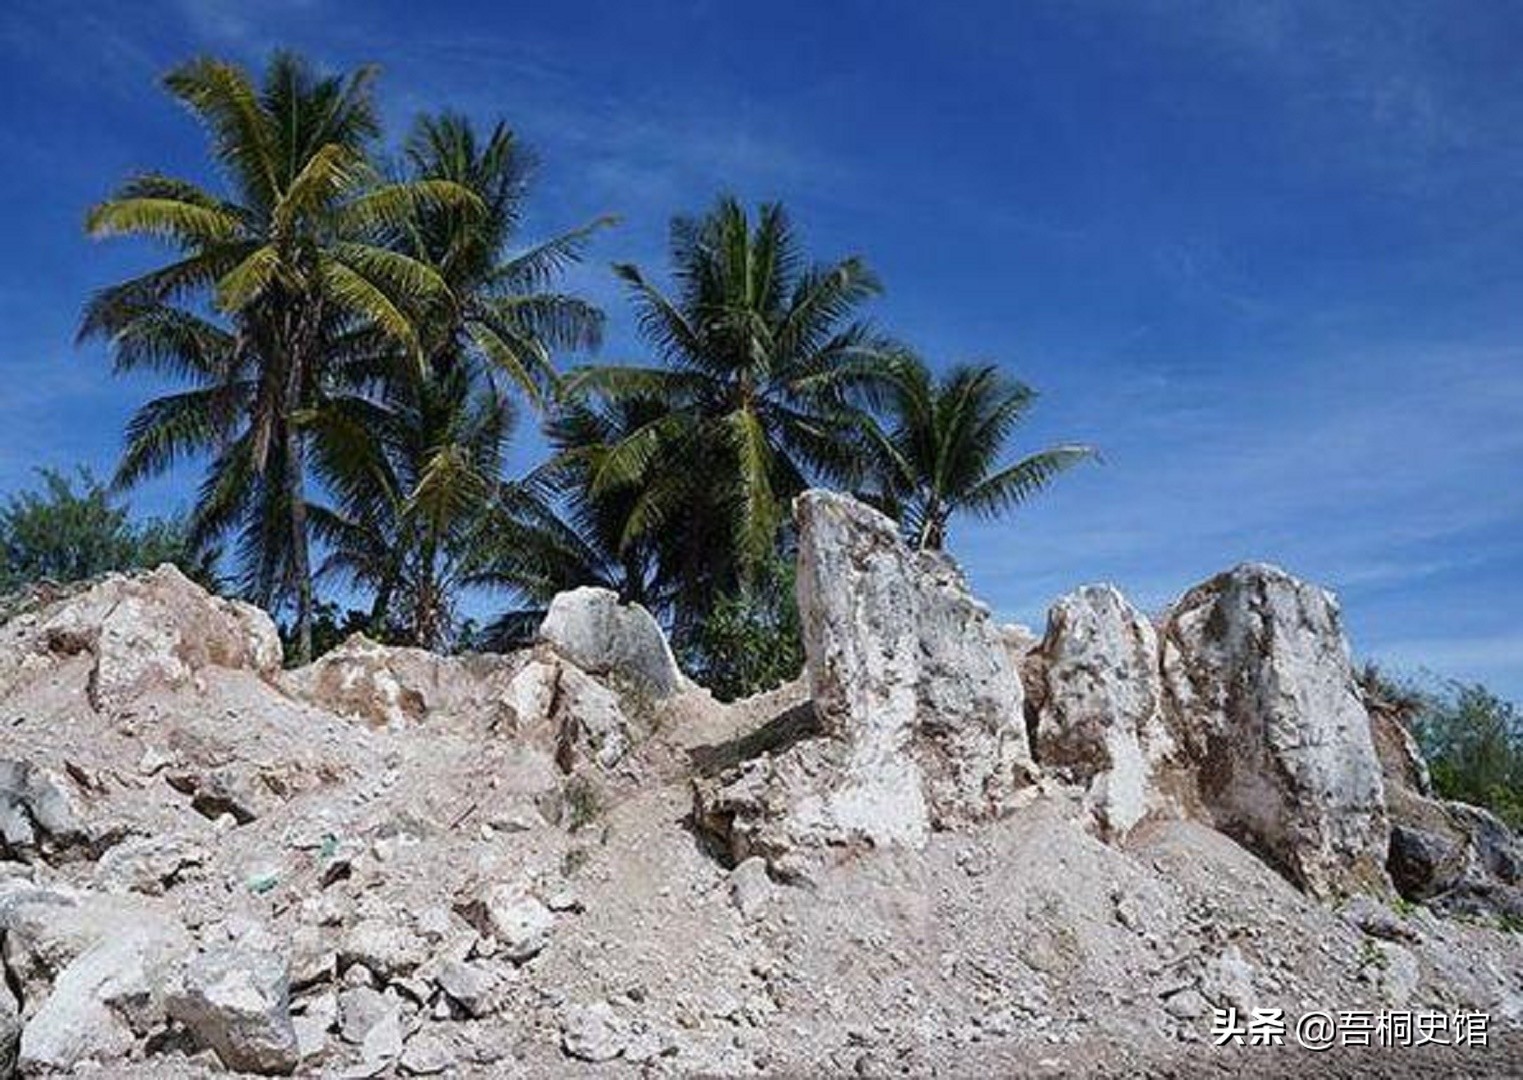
x: 1404, y: 907
x: 573, y: 861
x: 751, y: 640
x: 584, y: 802
x: 1510, y: 922
x: 1371, y: 955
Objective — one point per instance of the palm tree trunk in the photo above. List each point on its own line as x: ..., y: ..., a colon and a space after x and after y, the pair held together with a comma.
x: 302, y: 336
x: 301, y: 563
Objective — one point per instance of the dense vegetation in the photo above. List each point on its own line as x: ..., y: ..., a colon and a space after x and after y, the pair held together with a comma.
x: 73, y: 528
x: 1472, y: 739
x: 354, y: 342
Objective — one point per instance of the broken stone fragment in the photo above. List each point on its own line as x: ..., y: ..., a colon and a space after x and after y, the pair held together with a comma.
x: 591, y: 725
x: 39, y: 815
x: 1457, y: 858
x: 398, y: 686
x: 148, y: 864
x: 10, y: 1029
x: 237, y: 1002
x: 751, y: 888
x: 105, y: 998
x: 360, y: 1009
x: 387, y: 948
x: 426, y: 1054
x: 589, y: 627
x: 472, y: 986
x: 517, y: 921
x: 593, y: 1032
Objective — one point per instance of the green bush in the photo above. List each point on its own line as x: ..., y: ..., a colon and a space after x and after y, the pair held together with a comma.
x: 1472, y: 739
x: 750, y: 640
x: 71, y: 529
x: 1474, y: 744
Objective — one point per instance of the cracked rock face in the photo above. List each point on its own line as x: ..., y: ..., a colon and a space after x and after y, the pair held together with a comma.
x: 37, y: 812
x: 1101, y: 698
x: 146, y: 632
x: 1259, y: 689
x: 237, y: 1002
x: 919, y: 702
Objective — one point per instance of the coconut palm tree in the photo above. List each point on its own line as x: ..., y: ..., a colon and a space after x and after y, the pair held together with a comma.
x: 506, y: 317
x: 414, y: 477
x: 415, y: 469
x: 937, y: 450
x: 554, y: 534
x: 296, y: 265
x: 756, y: 350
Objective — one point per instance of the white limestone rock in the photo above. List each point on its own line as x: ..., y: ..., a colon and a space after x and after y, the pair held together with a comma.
x: 589, y: 627
x: 517, y: 920
x: 593, y: 1033
x: 396, y: 686
x: 1100, y: 718
x: 105, y: 999
x: 237, y: 1001
x: 1262, y: 699
x: 40, y: 813
x: 155, y: 630
x: 920, y: 705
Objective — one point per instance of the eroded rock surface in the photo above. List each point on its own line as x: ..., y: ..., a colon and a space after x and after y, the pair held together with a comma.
x: 1100, y: 718
x: 919, y: 703
x: 1263, y: 702
x: 395, y: 685
x: 38, y: 812
x: 604, y: 637
x: 237, y: 1002
x: 142, y: 632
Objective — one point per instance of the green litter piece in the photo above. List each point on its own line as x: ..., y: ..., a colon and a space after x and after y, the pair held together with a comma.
x: 263, y: 882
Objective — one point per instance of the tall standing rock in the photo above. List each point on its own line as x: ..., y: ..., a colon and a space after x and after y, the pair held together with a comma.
x: 919, y: 704
x: 1100, y: 717
x: 1258, y: 685
x: 902, y: 660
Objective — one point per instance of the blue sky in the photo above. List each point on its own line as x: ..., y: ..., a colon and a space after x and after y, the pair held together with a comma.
x: 1268, y: 256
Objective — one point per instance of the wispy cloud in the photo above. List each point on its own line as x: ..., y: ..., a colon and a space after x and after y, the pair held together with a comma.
x: 1380, y: 75
x: 1370, y: 470
x: 1495, y: 659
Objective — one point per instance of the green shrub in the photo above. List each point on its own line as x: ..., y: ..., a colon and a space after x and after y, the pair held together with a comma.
x: 72, y: 529
x: 750, y: 640
x: 1472, y: 739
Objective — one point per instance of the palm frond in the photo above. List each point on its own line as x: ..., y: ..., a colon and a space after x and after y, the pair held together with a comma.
x: 1013, y: 485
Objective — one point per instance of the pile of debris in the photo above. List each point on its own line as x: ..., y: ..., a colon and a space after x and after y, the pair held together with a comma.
x: 951, y: 845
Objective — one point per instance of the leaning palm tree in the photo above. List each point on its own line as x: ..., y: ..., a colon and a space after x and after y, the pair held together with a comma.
x: 296, y: 267
x: 938, y: 449
x: 757, y: 350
